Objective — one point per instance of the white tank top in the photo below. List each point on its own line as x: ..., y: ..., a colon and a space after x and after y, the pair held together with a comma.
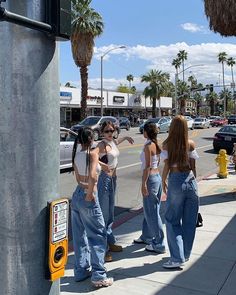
x: 81, y: 163
x: 112, y: 155
x: 155, y: 159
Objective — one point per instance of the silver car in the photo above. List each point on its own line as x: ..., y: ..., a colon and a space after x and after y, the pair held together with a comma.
x: 201, y: 123
x: 67, y: 138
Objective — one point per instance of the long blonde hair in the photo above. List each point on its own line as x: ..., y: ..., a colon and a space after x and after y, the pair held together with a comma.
x: 177, y: 143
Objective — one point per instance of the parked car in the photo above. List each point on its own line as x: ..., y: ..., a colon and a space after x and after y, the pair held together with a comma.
x: 232, y: 119
x: 162, y: 124
x: 219, y: 121
x: 95, y: 123
x: 225, y: 138
x: 201, y: 123
x: 211, y: 118
x: 190, y: 122
x: 124, y: 123
x: 67, y: 138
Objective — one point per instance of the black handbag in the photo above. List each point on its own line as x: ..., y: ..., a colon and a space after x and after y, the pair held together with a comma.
x: 199, y: 220
x: 104, y: 159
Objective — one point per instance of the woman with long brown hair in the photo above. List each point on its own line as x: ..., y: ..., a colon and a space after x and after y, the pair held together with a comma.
x: 179, y: 155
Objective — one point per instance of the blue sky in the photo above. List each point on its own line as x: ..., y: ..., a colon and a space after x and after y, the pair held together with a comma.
x: 153, y: 32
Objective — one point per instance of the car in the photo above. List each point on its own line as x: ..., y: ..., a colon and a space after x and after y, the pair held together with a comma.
x: 124, y: 123
x: 67, y: 138
x: 95, y: 123
x: 211, y: 118
x: 225, y: 138
x: 162, y: 124
x: 201, y: 123
x: 219, y: 121
x: 190, y: 122
x: 232, y: 119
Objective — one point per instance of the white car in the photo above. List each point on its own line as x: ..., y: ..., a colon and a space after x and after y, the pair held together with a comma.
x: 201, y: 123
x: 67, y: 138
x: 190, y: 122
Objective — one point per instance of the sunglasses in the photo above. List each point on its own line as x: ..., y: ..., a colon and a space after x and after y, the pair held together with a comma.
x: 109, y: 131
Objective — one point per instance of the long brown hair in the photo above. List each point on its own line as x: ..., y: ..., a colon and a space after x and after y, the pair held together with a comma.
x: 151, y: 130
x: 177, y: 143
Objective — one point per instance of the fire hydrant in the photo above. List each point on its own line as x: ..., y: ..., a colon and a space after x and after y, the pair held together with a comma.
x: 222, y: 161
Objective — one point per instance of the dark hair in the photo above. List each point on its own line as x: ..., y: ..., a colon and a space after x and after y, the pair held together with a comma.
x: 107, y: 123
x: 85, y: 136
x: 151, y: 130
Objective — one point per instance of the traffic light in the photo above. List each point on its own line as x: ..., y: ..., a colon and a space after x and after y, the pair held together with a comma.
x: 211, y: 87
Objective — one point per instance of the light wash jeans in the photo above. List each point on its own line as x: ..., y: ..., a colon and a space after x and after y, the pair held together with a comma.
x: 181, y: 214
x: 106, y: 196
x: 152, y: 224
x: 89, y: 237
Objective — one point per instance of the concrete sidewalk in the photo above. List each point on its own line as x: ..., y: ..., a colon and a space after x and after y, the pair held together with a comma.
x: 210, y: 270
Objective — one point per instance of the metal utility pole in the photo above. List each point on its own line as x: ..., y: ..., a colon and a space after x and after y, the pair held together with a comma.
x: 29, y: 150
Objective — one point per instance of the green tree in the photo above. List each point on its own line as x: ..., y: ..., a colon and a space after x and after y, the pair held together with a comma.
x: 176, y: 62
x: 222, y: 58
x: 86, y: 24
x: 157, y: 81
x: 212, y: 98
x: 231, y: 62
x: 130, y: 79
x: 125, y: 89
x: 183, y: 93
x: 182, y: 56
x: 193, y: 81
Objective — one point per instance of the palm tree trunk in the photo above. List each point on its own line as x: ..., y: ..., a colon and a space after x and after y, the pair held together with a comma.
x: 225, y: 98
x: 183, y: 70
x: 182, y: 106
x: 84, y: 91
x: 154, y: 107
x: 212, y: 106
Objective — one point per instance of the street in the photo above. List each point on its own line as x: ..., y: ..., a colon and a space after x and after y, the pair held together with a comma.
x: 129, y: 172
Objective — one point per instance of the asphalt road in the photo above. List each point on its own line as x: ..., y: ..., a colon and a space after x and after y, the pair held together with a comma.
x: 129, y: 172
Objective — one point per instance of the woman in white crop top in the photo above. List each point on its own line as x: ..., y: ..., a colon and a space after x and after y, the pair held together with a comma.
x: 108, y: 154
x: 152, y: 229
x: 179, y: 155
x: 88, y: 226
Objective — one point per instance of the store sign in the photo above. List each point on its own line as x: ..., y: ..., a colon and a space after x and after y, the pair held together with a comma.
x: 60, y: 221
x: 95, y: 99
x: 118, y: 99
x: 65, y: 95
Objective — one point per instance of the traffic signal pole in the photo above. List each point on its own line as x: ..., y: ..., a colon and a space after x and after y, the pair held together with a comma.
x: 29, y: 150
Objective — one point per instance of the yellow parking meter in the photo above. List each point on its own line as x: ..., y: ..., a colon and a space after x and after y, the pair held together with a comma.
x: 57, y: 238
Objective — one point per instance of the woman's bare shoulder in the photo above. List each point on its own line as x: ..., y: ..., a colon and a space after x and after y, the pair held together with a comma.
x: 191, y: 145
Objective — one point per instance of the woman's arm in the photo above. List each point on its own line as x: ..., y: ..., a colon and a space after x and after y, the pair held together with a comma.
x: 165, y: 173
x: 92, y: 175
x: 128, y: 138
x: 146, y: 171
x: 100, y: 149
x: 192, y: 161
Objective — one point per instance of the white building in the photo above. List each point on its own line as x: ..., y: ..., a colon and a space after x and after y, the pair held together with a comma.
x: 114, y: 103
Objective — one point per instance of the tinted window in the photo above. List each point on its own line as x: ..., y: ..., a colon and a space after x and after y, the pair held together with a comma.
x: 90, y: 121
x: 199, y: 120
x: 230, y: 129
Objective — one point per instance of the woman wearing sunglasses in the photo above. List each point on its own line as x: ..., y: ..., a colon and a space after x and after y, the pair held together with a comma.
x: 108, y: 154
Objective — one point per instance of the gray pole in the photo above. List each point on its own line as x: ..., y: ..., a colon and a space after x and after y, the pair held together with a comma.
x: 102, y: 85
x: 29, y: 150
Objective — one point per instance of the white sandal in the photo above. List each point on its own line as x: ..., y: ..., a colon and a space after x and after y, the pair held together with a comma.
x: 104, y: 283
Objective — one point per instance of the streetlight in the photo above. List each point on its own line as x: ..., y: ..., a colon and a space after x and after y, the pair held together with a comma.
x: 177, y: 78
x: 102, y: 56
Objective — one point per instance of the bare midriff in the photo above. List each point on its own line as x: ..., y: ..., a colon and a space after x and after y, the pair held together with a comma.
x: 111, y: 173
x: 176, y: 169
x: 154, y: 171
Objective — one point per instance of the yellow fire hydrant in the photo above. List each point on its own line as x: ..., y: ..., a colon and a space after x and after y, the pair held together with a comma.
x: 222, y: 161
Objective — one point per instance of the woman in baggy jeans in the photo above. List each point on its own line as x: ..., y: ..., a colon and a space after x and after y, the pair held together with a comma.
x: 179, y: 156
x: 152, y: 230
x: 88, y: 226
x: 108, y: 153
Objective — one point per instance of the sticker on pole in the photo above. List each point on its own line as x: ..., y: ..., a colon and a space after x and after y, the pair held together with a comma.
x: 60, y: 221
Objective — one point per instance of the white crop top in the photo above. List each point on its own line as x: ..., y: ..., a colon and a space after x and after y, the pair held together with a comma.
x: 112, y: 155
x: 81, y: 162
x: 154, y: 159
x: 192, y: 154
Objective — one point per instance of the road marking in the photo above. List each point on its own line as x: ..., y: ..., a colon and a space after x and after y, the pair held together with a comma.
x: 130, y: 146
x: 204, y: 146
x: 128, y: 166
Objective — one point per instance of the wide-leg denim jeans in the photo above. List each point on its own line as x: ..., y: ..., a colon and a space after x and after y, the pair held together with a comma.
x: 106, y: 196
x: 181, y: 214
x: 89, y: 237
x: 152, y: 223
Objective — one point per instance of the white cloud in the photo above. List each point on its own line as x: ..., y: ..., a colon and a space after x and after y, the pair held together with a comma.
x: 193, y: 28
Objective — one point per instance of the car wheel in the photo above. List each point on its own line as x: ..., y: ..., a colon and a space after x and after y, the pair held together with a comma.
x: 192, y: 128
x: 128, y: 128
x: 115, y: 134
x: 96, y: 135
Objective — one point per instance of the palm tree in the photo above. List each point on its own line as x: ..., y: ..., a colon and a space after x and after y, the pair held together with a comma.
x: 193, y: 81
x: 182, y: 55
x: 176, y: 62
x: 212, y: 98
x: 157, y: 81
x: 130, y: 78
x: 86, y: 25
x: 231, y: 62
x: 183, y: 93
x: 222, y: 58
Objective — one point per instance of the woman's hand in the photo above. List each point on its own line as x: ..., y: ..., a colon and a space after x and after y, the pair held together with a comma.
x: 106, y: 168
x: 90, y: 197
x: 129, y: 139
x: 144, y: 190
x: 164, y: 187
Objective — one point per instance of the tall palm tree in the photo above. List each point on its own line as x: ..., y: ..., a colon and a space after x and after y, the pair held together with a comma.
x: 157, y: 81
x: 86, y: 25
x: 193, y: 81
x: 130, y: 78
x: 212, y: 98
x: 182, y: 55
x: 183, y: 92
x: 222, y: 58
x: 231, y: 62
x: 176, y: 62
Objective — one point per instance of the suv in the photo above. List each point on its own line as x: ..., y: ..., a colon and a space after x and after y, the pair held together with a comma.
x: 95, y: 123
x: 232, y: 119
x: 67, y: 138
x: 124, y: 123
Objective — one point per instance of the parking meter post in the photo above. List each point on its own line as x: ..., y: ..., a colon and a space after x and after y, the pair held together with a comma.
x: 29, y: 150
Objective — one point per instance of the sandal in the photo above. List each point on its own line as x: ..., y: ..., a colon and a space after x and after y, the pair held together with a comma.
x: 104, y: 283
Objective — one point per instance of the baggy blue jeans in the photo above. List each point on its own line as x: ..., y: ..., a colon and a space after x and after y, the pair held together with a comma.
x: 152, y: 223
x: 106, y: 196
x: 89, y: 237
x: 181, y: 214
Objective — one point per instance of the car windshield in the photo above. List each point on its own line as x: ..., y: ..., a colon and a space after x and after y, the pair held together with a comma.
x: 232, y: 117
x: 153, y: 120
x: 228, y: 129
x: 199, y: 120
x: 89, y: 121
